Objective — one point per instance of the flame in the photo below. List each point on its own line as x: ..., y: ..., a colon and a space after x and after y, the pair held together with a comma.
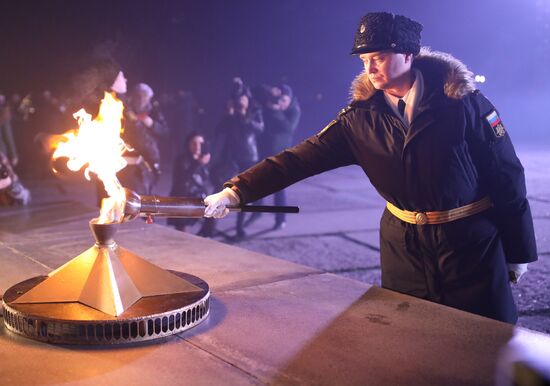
x: 97, y: 146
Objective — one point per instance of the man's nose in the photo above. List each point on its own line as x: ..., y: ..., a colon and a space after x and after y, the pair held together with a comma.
x: 370, y: 67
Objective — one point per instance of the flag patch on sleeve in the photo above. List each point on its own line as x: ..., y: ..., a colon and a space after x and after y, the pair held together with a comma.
x: 496, y: 124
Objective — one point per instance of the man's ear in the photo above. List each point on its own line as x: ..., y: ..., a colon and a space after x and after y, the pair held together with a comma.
x: 409, y: 58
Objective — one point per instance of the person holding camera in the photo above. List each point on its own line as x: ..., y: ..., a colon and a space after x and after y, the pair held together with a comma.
x: 236, y: 139
x: 281, y: 114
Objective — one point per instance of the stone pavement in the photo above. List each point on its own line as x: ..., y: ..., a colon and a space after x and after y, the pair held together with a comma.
x: 337, y: 228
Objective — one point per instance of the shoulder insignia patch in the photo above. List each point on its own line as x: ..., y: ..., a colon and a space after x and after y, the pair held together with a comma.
x: 345, y: 110
x: 334, y: 121
x: 496, y: 124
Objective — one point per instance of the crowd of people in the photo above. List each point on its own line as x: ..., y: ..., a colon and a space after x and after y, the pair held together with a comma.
x: 163, y: 133
x: 257, y: 123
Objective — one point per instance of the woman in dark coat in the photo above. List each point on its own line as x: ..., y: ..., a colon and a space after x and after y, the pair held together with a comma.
x: 191, y: 179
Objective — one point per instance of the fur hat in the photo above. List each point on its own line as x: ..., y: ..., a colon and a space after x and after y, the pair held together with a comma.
x: 380, y: 31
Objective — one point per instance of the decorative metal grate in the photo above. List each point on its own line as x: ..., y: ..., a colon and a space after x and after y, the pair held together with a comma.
x: 143, y: 325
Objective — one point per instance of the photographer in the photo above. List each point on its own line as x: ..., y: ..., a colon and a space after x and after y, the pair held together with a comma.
x: 281, y: 116
x: 236, y: 139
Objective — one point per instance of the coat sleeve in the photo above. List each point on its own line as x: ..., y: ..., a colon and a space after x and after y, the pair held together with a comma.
x: 503, y: 176
x: 321, y: 152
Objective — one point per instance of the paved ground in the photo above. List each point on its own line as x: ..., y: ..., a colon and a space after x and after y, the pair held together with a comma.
x: 337, y: 228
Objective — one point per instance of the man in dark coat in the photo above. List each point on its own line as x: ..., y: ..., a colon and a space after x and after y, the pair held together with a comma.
x: 236, y: 144
x: 281, y: 118
x: 144, y: 125
x: 457, y: 226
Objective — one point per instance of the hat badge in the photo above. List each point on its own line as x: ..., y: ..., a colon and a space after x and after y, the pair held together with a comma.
x: 362, y: 28
x: 393, y: 45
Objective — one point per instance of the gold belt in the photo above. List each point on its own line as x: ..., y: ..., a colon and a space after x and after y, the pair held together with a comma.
x: 440, y: 217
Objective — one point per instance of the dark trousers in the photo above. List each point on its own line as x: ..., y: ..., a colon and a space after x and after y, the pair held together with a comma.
x: 279, y: 199
x: 460, y: 264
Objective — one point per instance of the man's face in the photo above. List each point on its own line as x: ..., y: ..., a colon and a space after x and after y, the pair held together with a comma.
x: 143, y: 98
x: 275, y: 91
x: 386, y: 69
x: 284, y: 102
x: 195, y: 145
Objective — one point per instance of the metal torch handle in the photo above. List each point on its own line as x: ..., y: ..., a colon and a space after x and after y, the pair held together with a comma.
x: 189, y: 207
x: 264, y: 209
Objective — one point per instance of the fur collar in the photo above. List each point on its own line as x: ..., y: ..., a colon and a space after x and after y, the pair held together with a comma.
x: 443, y: 69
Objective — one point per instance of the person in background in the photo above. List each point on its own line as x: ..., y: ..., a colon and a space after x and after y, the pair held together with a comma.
x: 236, y: 140
x: 143, y: 126
x: 457, y: 228
x: 191, y: 179
x: 281, y: 115
x: 7, y: 142
x: 12, y: 191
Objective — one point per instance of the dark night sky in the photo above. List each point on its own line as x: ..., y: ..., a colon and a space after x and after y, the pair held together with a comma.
x: 201, y: 45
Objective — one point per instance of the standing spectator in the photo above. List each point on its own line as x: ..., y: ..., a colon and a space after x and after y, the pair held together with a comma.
x: 281, y: 116
x: 144, y: 126
x: 191, y: 179
x: 12, y: 191
x: 7, y: 143
x: 236, y: 139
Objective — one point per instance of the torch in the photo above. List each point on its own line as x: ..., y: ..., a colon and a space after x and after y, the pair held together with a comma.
x: 191, y: 207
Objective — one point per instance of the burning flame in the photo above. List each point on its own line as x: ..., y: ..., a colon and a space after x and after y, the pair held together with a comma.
x: 97, y: 146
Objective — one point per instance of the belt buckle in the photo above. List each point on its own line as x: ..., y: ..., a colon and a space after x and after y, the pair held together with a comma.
x: 421, y: 218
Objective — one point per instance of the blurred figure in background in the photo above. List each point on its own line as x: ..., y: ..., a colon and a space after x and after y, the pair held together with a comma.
x: 179, y: 109
x: 12, y: 191
x: 143, y: 127
x: 7, y: 142
x: 191, y: 179
x: 281, y: 112
x: 236, y: 139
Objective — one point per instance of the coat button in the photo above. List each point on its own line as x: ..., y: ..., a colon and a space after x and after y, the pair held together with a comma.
x: 421, y: 218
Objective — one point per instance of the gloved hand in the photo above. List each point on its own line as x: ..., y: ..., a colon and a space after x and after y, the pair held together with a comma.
x: 217, y: 203
x: 515, y: 271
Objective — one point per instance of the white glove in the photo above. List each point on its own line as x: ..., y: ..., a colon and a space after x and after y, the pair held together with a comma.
x: 217, y: 203
x: 516, y: 271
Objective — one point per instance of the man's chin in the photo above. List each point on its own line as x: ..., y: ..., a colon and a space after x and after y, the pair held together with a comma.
x: 378, y: 85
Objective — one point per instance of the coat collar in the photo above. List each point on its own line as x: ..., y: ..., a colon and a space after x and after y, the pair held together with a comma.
x: 442, y: 72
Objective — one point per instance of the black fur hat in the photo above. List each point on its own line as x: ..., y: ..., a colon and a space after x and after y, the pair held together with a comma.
x: 380, y: 31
